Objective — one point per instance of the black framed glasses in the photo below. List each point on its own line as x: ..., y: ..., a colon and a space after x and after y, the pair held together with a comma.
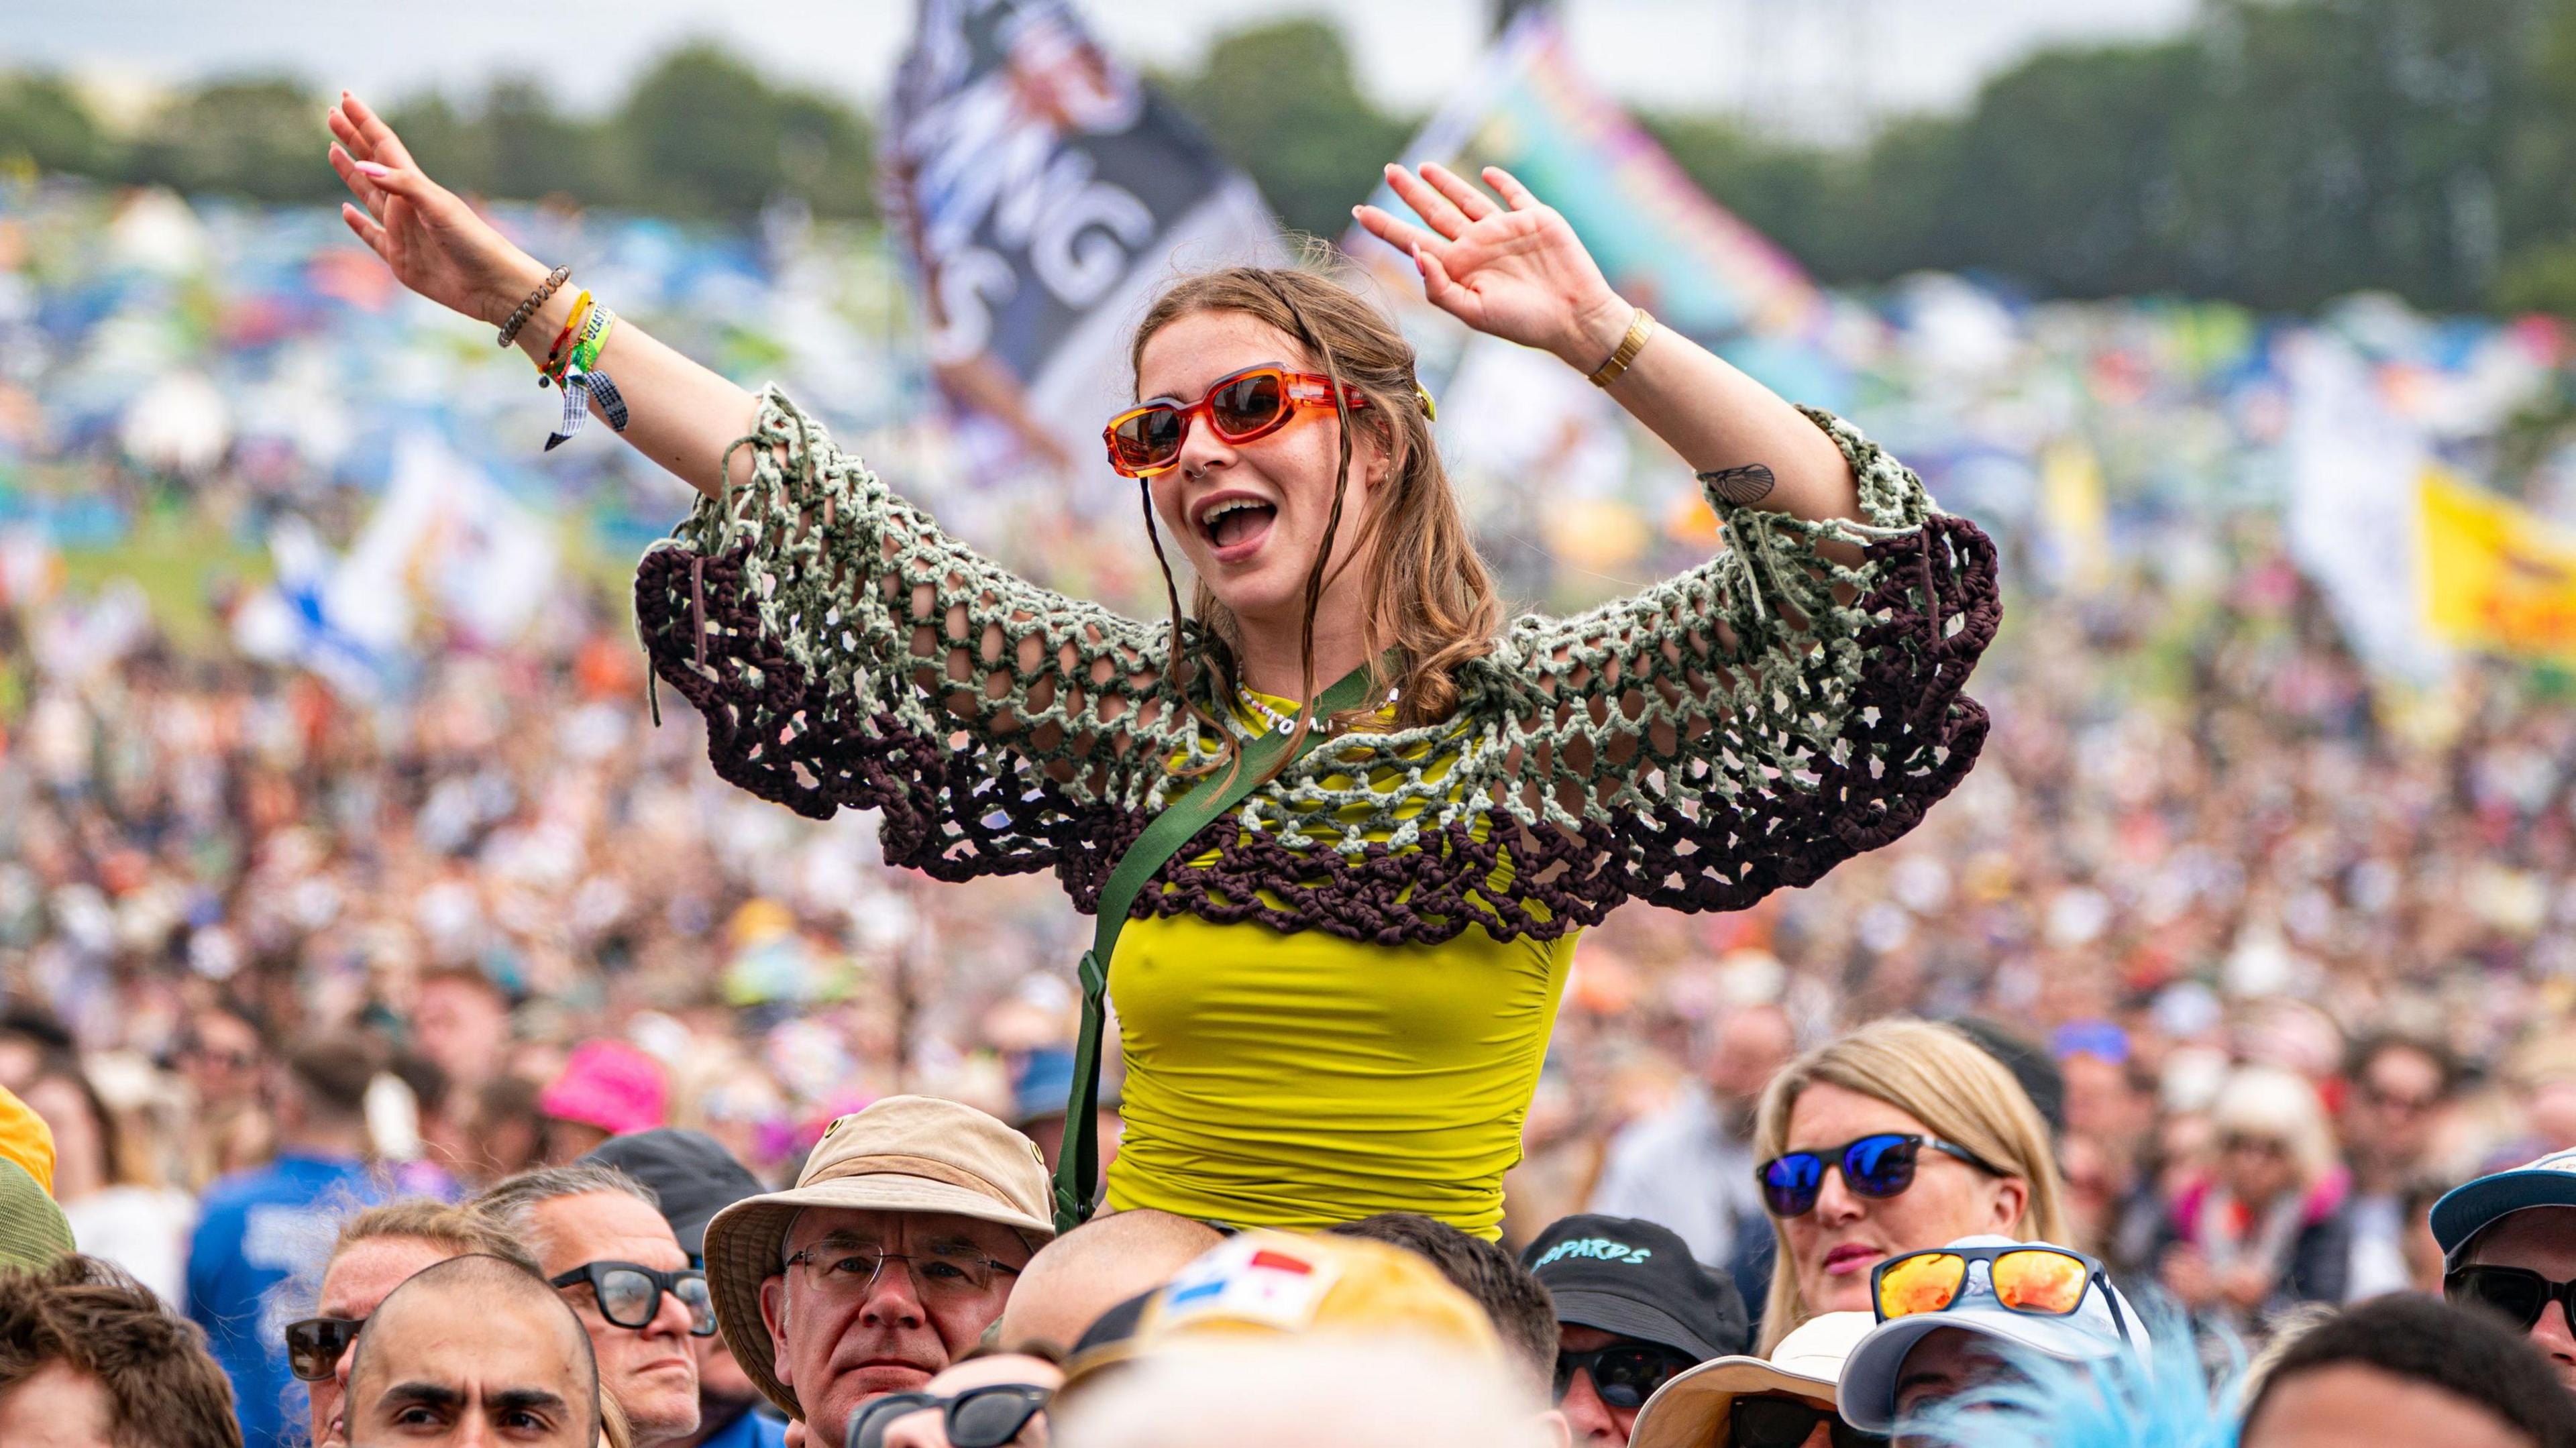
x: 985, y: 1417
x: 630, y: 1293
x: 1625, y: 1374
x: 313, y: 1346
x: 2517, y: 1294
x: 1766, y: 1420
x: 1880, y: 1165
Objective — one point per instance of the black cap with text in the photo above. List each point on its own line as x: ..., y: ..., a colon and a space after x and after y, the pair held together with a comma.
x: 1622, y: 1275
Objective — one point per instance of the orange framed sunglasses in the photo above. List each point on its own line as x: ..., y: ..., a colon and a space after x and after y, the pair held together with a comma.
x: 1253, y: 403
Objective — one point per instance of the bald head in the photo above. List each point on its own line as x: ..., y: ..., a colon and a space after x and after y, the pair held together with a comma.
x: 1093, y: 1268
x: 474, y: 1349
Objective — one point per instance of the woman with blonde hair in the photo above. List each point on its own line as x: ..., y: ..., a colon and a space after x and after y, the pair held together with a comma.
x: 1892, y: 1138
x: 2268, y: 1225
x: 1345, y: 944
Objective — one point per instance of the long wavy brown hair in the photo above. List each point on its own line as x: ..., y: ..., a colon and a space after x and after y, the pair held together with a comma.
x: 1430, y: 603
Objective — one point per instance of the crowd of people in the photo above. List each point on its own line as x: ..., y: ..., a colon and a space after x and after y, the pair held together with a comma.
x: 2273, y: 970
x: 462, y: 1062
x: 910, y: 1290
x: 293, y: 976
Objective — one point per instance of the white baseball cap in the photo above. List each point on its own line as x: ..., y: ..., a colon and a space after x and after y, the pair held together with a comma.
x: 2099, y: 1328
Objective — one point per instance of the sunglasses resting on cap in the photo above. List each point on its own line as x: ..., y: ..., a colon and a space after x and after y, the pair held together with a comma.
x: 2042, y: 1281
x: 2030, y: 1296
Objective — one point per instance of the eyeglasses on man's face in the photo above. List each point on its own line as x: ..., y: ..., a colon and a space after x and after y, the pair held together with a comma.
x: 944, y: 1271
x: 630, y: 1294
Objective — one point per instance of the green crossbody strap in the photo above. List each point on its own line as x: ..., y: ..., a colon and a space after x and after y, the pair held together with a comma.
x: 1077, y: 1172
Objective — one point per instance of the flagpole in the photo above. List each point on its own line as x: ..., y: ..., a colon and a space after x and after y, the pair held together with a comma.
x: 1507, y: 11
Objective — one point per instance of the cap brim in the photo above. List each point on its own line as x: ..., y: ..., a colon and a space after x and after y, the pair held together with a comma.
x: 1691, y: 1410
x: 692, y: 1232
x: 1628, y: 1317
x: 746, y: 1245
x: 2472, y: 1207
x: 1867, y: 1393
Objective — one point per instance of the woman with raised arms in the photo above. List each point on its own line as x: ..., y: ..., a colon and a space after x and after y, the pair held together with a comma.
x: 1334, y: 999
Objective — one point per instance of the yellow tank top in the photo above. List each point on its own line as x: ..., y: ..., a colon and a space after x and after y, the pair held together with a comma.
x: 1297, y: 1080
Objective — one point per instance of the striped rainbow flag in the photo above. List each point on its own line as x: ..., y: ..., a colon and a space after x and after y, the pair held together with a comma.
x: 1663, y: 242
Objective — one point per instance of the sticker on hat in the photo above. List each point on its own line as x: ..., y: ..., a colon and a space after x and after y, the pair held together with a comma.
x: 1261, y: 1282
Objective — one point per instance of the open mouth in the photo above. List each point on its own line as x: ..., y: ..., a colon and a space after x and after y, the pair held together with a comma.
x: 1235, y: 526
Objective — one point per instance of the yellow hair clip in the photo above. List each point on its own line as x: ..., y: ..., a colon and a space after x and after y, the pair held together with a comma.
x: 1429, y: 412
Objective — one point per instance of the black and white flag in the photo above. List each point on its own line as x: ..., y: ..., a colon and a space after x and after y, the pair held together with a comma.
x: 1047, y: 194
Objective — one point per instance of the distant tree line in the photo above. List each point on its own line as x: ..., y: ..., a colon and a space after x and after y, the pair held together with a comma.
x: 2278, y: 153
x: 700, y: 134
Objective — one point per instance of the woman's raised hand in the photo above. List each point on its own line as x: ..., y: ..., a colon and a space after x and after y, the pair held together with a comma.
x: 1515, y: 272
x: 435, y: 243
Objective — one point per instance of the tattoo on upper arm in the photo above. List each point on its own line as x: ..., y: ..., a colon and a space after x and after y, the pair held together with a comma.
x: 1748, y: 484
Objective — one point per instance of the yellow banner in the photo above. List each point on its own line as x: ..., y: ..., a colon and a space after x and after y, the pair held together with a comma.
x: 2074, y: 513
x: 2497, y: 577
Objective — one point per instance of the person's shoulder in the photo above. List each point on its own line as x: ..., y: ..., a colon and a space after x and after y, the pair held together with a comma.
x: 236, y: 1191
x: 2183, y: 1208
x: 301, y: 1176
x: 755, y: 1429
x: 133, y: 1209
x: 1684, y: 1120
x: 1680, y: 1127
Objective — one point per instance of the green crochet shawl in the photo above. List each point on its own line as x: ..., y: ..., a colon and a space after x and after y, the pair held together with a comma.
x: 1747, y: 725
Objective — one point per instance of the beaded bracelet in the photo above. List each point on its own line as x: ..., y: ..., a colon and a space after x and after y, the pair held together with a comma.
x: 536, y: 299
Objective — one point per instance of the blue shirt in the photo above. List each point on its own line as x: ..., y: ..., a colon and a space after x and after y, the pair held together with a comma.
x: 755, y: 1429
x: 1683, y: 1169
x: 255, y: 1265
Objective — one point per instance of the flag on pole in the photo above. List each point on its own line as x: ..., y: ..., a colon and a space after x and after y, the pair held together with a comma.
x: 1047, y: 193
x: 2074, y: 516
x: 2498, y: 578
x: 445, y: 543
x: 2354, y: 524
x: 1663, y: 242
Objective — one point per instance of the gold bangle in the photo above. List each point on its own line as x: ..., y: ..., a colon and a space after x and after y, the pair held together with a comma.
x: 1640, y: 327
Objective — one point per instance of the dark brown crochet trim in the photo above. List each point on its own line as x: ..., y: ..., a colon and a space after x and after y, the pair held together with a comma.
x: 1907, y: 737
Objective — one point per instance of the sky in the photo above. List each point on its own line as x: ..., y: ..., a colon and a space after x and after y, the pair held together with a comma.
x: 1823, y: 69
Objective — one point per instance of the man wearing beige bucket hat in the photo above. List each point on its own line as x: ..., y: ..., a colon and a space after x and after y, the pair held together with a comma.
x: 894, y: 1251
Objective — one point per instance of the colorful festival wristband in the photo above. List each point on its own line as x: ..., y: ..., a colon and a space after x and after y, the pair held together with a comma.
x: 565, y: 362
x: 582, y: 381
x: 585, y: 353
x: 551, y: 369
